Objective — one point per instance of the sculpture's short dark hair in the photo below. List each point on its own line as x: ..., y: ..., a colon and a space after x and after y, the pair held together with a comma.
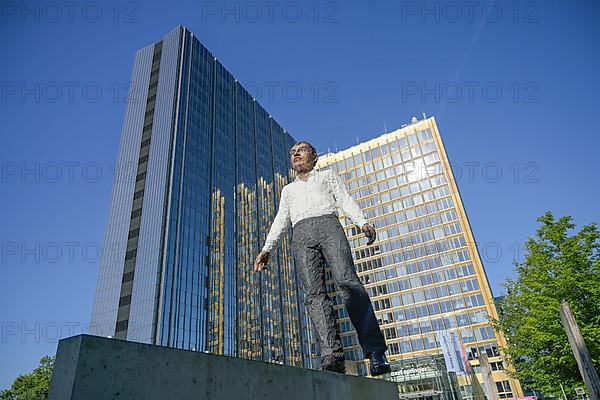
x: 312, y: 148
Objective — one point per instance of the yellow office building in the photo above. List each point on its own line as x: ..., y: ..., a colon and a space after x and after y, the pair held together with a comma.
x: 423, y: 273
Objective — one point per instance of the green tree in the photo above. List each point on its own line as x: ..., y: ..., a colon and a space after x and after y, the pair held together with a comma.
x: 559, y: 264
x: 33, y: 386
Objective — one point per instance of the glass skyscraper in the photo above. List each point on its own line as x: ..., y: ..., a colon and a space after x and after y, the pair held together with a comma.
x: 423, y: 273
x: 200, y: 169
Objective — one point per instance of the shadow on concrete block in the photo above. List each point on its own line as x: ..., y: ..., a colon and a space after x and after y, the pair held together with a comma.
x: 92, y: 368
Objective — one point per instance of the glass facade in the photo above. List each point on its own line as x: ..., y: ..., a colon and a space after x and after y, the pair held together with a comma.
x: 211, y: 164
x: 423, y: 273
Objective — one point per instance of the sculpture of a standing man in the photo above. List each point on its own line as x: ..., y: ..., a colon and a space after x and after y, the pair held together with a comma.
x: 310, y: 204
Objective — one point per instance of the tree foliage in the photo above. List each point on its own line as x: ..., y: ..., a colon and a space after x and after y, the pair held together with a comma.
x: 559, y: 264
x: 33, y: 386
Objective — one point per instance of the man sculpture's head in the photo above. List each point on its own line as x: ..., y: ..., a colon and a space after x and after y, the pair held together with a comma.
x: 303, y: 157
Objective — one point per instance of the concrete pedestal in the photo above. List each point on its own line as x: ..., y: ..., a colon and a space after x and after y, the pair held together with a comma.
x: 93, y: 368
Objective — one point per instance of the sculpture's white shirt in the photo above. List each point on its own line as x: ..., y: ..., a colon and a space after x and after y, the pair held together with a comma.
x: 322, y: 193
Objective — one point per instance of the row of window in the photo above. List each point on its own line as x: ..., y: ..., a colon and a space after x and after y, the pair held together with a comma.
x: 399, y: 165
x: 378, y: 210
x: 436, y: 247
x: 401, y: 175
x: 401, y: 144
x: 426, y: 342
x: 402, y: 228
x: 397, y: 187
x: 438, y: 324
x: 494, y: 366
x: 387, y: 190
x: 414, y: 226
x: 371, y: 200
x: 432, y: 308
x: 435, y: 292
x: 456, y: 304
x: 444, y: 275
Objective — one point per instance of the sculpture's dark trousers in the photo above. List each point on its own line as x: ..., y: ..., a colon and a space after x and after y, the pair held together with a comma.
x: 317, y: 241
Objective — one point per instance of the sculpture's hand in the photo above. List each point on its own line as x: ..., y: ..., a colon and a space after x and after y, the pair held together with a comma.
x: 261, y: 261
x: 370, y: 233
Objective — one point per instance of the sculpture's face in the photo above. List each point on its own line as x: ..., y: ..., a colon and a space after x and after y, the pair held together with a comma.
x: 302, y: 158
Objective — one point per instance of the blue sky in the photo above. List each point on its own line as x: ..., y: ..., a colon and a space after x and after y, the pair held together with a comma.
x: 513, y: 86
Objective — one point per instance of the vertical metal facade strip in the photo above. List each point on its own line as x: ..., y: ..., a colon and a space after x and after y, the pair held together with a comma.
x: 106, y: 301
x: 161, y: 273
x: 148, y: 262
x: 168, y: 305
x: 210, y: 307
x: 236, y: 231
x: 259, y: 212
